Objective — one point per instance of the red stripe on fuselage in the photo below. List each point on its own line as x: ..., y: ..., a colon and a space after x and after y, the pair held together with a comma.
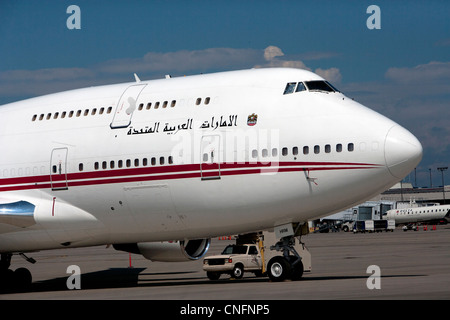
x: 168, y: 172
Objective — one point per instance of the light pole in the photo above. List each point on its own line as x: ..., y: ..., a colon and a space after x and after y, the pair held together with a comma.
x: 431, y: 182
x: 442, y: 169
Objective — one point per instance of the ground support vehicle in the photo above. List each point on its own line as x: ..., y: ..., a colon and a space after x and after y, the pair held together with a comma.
x: 373, y: 226
x: 288, y: 258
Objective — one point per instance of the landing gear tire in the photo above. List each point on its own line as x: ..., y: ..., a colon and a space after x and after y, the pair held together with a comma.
x: 279, y: 269
x: 13, y: 280
x: 23, y: 278
x: 297, y: 269
x: 238, y: 272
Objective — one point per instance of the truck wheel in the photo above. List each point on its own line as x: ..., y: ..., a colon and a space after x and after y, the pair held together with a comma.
x: 213, y: 275
x: 278, y: 269
x: 238, y: 271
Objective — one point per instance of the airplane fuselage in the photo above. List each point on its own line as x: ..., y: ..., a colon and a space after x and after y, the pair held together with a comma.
x: 419, y: 214
x: 188, y: 158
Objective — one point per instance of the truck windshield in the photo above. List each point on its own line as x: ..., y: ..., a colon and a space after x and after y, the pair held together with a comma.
x: 234, y: 249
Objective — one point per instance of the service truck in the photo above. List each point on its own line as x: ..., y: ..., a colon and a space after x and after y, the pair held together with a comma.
x: 373, y: 226
x: 251, y: 254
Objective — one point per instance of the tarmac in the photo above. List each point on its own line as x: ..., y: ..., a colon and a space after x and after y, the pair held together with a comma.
x: 412, y: 265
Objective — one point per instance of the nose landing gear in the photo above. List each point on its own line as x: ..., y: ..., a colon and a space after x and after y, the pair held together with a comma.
x: 286, y: 266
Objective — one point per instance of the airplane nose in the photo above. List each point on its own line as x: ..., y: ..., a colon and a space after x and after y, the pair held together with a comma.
x: 402, y: 151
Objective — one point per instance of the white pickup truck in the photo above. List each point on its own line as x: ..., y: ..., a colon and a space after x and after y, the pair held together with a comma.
x: 236, y: 259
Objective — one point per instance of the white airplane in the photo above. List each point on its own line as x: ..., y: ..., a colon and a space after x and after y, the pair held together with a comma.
x: 431, y: 214
x: 186, y: 159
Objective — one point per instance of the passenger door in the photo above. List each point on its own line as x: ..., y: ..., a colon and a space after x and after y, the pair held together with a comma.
x: 58, y: 169
x: 126, y: 106
x: 210, y: 157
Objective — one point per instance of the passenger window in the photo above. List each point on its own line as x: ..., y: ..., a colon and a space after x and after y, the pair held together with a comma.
x: 351, y: 147
x: 128, y: 163
x: 295, y: 151
x: 174, y: 102
x: 255, y: 153
x: 149, y: 105
x: 207, y: 100
x: 170, y: 160
x: 290, y: 87
x: 265, y: 153
x: 80, y: 167
x: 316, y: 149
x: 165, y: 104
x: 153, y: 161
x: 284, y: 151
x: 327, y: 148
x: 339, y: 147
x: 120, y: 163
x: 199, y: 100
x: 274, y: 152
x: 300, y: 87
x: 161, y: 160
x: 145, y: 162
x: 305, y: 150
x: 112, y: 164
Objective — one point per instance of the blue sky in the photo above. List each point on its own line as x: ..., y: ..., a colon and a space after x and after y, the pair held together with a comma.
x: 401, y: 70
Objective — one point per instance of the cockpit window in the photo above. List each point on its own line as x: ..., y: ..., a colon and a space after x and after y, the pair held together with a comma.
x: 320, y: 85
x: 290, y: 87
x: 300, y: 87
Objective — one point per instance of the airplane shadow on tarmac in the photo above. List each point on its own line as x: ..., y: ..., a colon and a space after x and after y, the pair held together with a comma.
x: 130, y: 277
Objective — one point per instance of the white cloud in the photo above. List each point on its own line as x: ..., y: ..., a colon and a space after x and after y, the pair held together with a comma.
x: 55, y: 74
x: 149, y: 66
x: 272, y: 56
x: 333, y: 75
x: 271, y: 52
x: 432, y: 71
x: 184, y: 60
